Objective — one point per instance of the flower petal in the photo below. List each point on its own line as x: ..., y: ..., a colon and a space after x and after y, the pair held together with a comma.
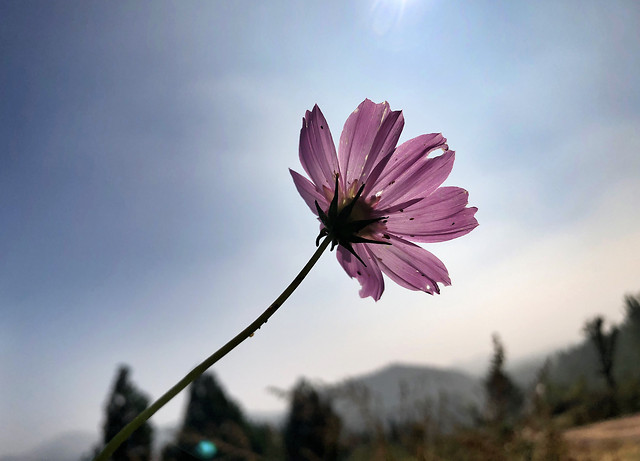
x: 317, y: 151
x: 405, y: 155
x: 439, y: 217
x: 370, y: 277
x: 411, y: 266
x: 309, y: 192
x: 370, y: 133
x: 419, y: 180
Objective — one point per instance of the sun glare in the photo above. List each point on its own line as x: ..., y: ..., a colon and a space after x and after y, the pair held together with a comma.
x: 385, y: 15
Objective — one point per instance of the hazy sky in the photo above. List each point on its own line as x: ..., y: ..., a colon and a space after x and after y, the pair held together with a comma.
x: 147, y: 213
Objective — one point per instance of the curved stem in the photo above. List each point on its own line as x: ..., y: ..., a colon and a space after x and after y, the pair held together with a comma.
x: 126, y: 431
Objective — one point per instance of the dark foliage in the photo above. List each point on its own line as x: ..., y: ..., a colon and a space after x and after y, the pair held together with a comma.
x: 600, y: 377
x: 312, y: 429
x: 215, y: 428
x: 124, y: 404
x: 504, y: 399
x: 605, y: 344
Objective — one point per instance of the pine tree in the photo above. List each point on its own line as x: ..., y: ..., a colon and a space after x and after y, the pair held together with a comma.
x: 312, y: 429
x: 124, y: 404
x: 632, y: 320
x: 605, y: 343
x: 504, y: 399
x: 214, y: 427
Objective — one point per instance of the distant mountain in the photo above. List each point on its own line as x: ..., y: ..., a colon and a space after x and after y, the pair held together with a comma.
x: 580, y: 362
x: 407, y: 392
x: 523, y: 371
x: 70, y: 446
x: 77, y: 445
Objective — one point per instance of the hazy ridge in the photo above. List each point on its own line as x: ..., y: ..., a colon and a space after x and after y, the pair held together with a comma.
x: 389, y: 394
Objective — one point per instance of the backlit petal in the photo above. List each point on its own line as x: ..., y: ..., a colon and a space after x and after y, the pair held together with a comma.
x: 405, y: 156
x: 370, y: 133
x: 308, y: 192
x: 411, y: 266
x: 317, y: 151
x: 419, y: 180
x: 370, y: 277
x: 440, y: 216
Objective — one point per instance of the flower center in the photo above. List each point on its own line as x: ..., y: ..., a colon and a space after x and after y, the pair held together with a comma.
x: 343, y: 223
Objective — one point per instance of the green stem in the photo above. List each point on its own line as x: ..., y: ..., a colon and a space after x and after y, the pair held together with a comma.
x: 126, y: 431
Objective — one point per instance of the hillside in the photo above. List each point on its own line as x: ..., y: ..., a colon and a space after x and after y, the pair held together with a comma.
x: 612, y: 439
x: 400, y: 392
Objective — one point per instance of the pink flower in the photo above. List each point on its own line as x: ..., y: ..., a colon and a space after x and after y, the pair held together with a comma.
x: 373, y: 197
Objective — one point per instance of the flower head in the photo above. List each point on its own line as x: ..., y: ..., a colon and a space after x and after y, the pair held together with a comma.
x: 372, y: 197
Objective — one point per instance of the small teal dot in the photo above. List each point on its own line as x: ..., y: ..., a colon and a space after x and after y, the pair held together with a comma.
x: 206, y: 449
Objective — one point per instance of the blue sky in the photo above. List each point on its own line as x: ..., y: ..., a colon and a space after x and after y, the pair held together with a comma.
x: 147, y: 213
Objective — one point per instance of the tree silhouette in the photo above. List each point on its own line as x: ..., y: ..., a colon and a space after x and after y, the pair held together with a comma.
x: 312, y: 428
x: 605, y: 343
x: 124, y: 404
x: 632, y: 308
x: 504, y: 399
x: 214, y: 427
